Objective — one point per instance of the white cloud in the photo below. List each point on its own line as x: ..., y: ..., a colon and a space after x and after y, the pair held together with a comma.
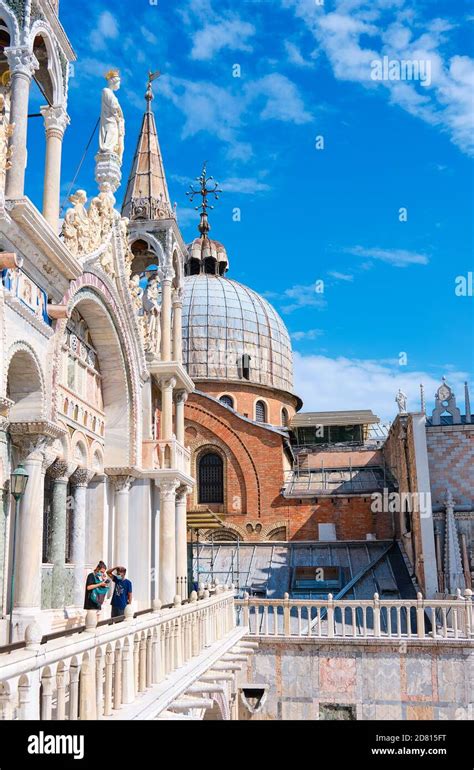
x: 341, y: 383
x: 395, y: 257
x: 296, y: 57
x: 282, y: 99
x: 232, y: 34
x: 296, y: 297
x: 340, y: 276
x: 148, y: 35
x: 309, y: 334
x: 218, y: 111
x: 243, y: 185
x: 392, y: 27
x: 107, y: 28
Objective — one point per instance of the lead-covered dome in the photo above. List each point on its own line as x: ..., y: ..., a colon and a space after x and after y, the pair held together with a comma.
x: 223, y: 323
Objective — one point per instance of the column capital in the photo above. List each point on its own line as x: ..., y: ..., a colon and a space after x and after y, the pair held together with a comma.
x: 34, y: 439
x: 122, y: 483
x: 182, y: 492
x: 177, y: 297
x: 21, y: 61
x: 181, y: 396
x: 167, y: 383
x: 61, y: 470
x: 56, y: 120
x: 168, y: 489
x: 81, y: 477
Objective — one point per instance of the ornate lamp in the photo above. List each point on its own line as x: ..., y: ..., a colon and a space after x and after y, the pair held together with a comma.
x: 18, y: 482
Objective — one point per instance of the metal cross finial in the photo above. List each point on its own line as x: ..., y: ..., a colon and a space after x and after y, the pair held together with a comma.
x: 204, y: 190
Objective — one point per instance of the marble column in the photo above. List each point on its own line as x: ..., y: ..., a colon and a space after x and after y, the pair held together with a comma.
x: 22, y: 64
x: 79, y: 480
x: 166, y: 319
x: 180, y: 400
x: 122, y: 499
x: 29, y: 533
x: 167, y: 570
x: 60, y: 472
x: 55, y: 122
x: 181, y: 541
x: 167, y: 386
x: 177, y: 325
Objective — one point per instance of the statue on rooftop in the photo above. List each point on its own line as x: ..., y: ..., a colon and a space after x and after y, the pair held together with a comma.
x: 112, y: 124
x: 401, y: 399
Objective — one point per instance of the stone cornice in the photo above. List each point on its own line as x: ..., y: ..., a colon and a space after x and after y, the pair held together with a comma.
x: 42, y: 235
x: 17, y: 305
x: 166, y: 369
x: 58, y: 30
x: 36, y: 427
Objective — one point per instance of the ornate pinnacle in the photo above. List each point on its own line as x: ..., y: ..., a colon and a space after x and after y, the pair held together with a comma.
x: 204, y: 191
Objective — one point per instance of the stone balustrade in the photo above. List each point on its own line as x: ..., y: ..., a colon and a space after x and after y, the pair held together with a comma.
x: 359, y: 619
x: 165, y: 454
x: 99, y: 669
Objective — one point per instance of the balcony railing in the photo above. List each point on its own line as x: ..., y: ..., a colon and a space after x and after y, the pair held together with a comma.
x: 95, y: 670
x: 162, y: 454
x: 376, y: 618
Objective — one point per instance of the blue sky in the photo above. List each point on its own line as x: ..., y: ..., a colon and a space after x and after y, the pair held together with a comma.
x: 310, y: 214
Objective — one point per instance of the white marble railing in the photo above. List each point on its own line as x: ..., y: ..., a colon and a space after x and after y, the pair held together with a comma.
x: 164, y: 454
x: 359, y: 619
x: 94, y: 672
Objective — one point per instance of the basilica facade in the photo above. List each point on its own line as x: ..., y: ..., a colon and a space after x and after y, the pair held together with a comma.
x: 92, y: 382
x: 141, y: 387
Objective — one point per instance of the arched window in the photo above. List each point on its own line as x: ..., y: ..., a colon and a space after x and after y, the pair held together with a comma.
x: 227, y: 401
x: 284, y: 417
x: 260, y: 411
x: 211, y: 478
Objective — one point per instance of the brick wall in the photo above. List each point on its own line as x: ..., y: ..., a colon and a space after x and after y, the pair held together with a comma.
x: 253, y: 466
x: 245, y: 398
x: 451, y: 462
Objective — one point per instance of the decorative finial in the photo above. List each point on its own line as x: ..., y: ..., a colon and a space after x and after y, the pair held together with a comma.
x: 149, y: 90
x: 422, y: 399
x: 204, y: 191
x: 467, y: 402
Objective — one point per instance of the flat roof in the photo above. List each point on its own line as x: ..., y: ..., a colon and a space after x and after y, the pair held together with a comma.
x: 348, y: 417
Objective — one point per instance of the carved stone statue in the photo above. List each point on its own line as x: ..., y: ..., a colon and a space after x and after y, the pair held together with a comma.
x: 152, y: 308
x: 137, y: 293
x: 84, y: 231
x: 112, y: 124
x: 401, y: 399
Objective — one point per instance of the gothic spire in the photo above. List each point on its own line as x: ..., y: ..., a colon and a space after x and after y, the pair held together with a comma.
x: 147, y: 194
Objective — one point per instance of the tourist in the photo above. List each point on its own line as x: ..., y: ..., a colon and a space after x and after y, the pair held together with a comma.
x: 97, y: 585
x: 123, y: 591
